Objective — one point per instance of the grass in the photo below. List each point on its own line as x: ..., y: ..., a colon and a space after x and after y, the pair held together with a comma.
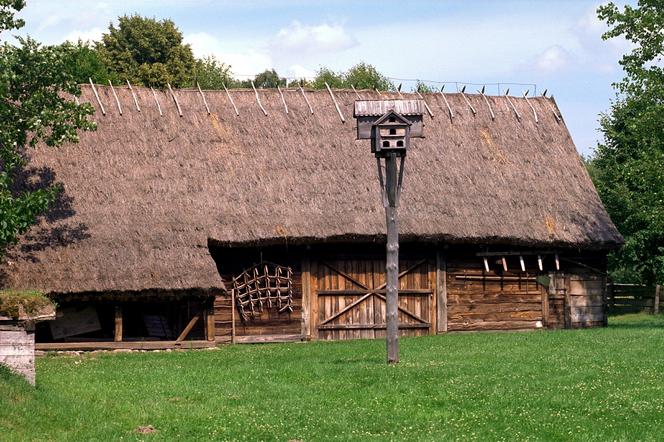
x: 599, y: 384
x: 15, y: 304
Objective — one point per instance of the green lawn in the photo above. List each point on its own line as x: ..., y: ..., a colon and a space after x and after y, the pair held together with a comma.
x: 600, y: 384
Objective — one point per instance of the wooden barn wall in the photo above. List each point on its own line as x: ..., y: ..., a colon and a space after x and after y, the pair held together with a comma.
x: 494, y: 300
x: 348, y: 297
x: 339, y: 292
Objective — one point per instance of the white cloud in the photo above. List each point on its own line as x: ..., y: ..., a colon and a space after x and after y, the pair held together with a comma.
x: 93, y: 34
x: 249, y: 62
x: 553, y: 59
x: 301, y: 39
x: 299, y: 71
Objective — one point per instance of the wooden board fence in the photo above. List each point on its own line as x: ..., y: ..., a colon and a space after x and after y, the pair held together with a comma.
x: 633, y: 298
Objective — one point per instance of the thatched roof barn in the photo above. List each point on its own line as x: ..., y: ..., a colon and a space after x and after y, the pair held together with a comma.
x: 146, y: 193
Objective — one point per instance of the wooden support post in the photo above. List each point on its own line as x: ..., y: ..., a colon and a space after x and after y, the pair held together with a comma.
x: 188, y: 328
x: 233, y: 316
x: 392, y: 260
x: 117, y: 337
x: 441, y: 291
x: 568, y: 302
x: 209, y: 322
x: 306, y: 297
x: 658, y: 291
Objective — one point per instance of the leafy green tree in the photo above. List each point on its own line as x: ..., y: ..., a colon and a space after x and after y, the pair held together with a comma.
x: 148, y: 52
x: 325, y: 75
x: 628, y: 167
x: 33, y: 109
x: 269, y: 79
x: 83, y: 62
x: 366, y: 76
x: 423, y: 88
x: 210, y: 73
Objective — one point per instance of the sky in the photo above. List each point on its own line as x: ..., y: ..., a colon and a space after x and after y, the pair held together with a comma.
x: 555, y: 45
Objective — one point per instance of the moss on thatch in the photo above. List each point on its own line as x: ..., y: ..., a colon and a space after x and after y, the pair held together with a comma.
x: 24, y: 304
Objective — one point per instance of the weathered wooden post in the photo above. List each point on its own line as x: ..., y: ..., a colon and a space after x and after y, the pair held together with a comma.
x: 390, y: 124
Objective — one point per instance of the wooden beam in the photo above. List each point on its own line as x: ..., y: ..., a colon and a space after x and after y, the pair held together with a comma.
x: 209, y: 321
x: 658, y: 291
x: 306, y: 297
x: 94, y: 89
x: 126, y: 345
x: 441, y: 291
x: 177, y: 103
x: 117, y: 100
x: 233, y: 316
x: 188, y: 328
x: 343, y: 120
x: 117, y: 336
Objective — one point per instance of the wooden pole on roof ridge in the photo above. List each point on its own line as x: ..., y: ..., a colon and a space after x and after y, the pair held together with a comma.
x: 117, y: 101
x: 449, y: 108
x: 203, y: 96
x: 525, y: 96
x: 258, y: 99
x: 426, y: 106
x: 237, y: 114
x: 463, y: 94
x: 94, y: 89
x: 154, y: 94
x: 516, y: 112
x: 138, y: 108
x: 343, y: 120
x: 311, y: 109
x: 177, y: 104
x: 354, y: 90
x: 283, y: 100
x: 486, y: 100
x: 558, y: 119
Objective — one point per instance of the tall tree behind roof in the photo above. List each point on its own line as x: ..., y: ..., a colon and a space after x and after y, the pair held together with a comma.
x: 147, y: 51
x: 627, y: 166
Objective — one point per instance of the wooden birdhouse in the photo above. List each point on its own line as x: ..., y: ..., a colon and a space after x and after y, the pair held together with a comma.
x: 389, y: 124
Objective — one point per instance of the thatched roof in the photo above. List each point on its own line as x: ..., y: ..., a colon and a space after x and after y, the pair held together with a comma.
x: 145, y: 192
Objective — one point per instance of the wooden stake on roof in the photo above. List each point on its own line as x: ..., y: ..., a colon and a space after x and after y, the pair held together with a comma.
x: 117, y: 101
x: 446, y: 103
x: 311, y: 109
x: 283, y: 100
x: 463, y: 94
x: 154, y: 94
x: 558, y: 119
x: 399, y: 91
x: 207, y: 108
x: 353, y: 87
x: 237, y: 114
x: 258, y: 99
x: 78, y: 103
x: 177, y: 104
x: 138, y: 108
x: 378, y: 92
x: 516, y: 112
x: 486, y: 100
x: 94, y: 89
x: 525, y: 96
x: 343, y: 120
x: 426, y: 106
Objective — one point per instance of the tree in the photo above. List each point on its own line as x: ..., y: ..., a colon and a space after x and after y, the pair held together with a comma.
x: 211, y: 73
x: 627, y: 167
x: 360, y: 76
x: 269, y: 79
x: 33, y: 109
x: 366, y: 76
x: 83, y: 62
x: 148, y: 52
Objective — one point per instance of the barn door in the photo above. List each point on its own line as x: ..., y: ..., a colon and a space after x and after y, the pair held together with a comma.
x: 349, y: 298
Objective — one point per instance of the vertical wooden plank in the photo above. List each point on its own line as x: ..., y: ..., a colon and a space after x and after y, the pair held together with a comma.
x: 432, y: 301
x: 568, y: 304
x: 118, y: 323
x: 545, y: 307
x: 658, y: 291
x: 306, y: 297
x: 313, y: 305
x: 441, y: 290
x: 209, y: 321
x: 232, y: 316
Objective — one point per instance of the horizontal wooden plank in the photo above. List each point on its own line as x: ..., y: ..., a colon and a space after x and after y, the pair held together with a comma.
x: 109, y: 345
x: 494, y: 308
x: 369, y: 326
x: 402, y: 292
x: 492, y: 325
x: 269, y: 338
x: 492, y: 298
x: 496, y: 316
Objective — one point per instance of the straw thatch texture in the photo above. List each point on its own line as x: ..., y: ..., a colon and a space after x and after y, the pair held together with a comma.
x: 145, y: 191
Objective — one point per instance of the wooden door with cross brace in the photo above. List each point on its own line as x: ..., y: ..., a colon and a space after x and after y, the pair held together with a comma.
x: 348, y: 298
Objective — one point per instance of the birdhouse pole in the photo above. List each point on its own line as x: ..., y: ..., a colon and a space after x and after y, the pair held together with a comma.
x: 390, y: 134
x: 392, y: 189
